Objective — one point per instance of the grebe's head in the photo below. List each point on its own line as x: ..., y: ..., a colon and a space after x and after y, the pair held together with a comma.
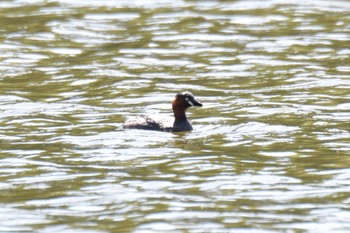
x: 185, y: 100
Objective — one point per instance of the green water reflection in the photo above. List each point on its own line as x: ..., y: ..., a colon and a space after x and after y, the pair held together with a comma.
x: 270, y: 148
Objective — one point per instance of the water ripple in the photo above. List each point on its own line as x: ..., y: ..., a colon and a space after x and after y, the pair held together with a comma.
x: 269, y: 149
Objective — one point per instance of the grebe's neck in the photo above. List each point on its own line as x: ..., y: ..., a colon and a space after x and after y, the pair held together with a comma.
x: 179, y: 111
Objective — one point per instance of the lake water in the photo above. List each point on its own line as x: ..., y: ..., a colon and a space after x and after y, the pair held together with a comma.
x: 270, y: 147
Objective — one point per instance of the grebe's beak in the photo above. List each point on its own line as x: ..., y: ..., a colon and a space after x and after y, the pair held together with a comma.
x: 193, y: 102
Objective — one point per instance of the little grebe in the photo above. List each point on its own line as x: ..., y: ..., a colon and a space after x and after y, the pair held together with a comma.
x: 181, y: 102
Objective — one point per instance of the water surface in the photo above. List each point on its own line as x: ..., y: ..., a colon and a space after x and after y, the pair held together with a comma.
x: 270, y: 148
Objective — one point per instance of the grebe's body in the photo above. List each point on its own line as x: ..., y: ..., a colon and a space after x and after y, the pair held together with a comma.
x: 180, y: 104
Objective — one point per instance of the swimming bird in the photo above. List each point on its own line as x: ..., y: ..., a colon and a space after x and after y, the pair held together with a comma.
x: 180, y: 104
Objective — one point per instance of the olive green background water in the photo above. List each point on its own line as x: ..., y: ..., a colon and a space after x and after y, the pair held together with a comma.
x: 270, y: 147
